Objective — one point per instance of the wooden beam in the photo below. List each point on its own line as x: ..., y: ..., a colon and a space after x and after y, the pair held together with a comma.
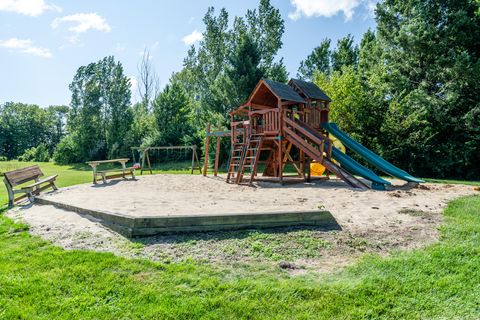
x: 217, y: 154
x: 207, y: 149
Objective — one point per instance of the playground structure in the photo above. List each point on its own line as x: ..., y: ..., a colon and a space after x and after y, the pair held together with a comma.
x: 143, y: 156
x: 284, y: 124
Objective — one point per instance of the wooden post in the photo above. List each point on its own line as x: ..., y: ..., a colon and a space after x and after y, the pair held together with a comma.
x: 148, y: 160
x: 207, y: 149
x: 193, y: 159
x: 217, y: 153
x: 280, y: 144
x: 196, y: 158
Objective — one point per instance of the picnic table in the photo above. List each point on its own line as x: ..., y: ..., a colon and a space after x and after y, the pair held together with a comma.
x: 120, y: 173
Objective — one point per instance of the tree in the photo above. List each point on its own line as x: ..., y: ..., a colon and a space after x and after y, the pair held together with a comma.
x: 318, y: 60
x: 431, y: 56
x: 207, y: 75
x: 24, y: 126
x: 244, y: 71
x: 265, y: 24
x: 172, y: 110
x: 345, y: 54
x: 148, y: 83
x: 350, y: 106
x: 100, y: 113
x: 59, y: 116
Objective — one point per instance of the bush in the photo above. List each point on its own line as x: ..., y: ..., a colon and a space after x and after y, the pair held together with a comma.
x: 39, y: 154
x: 3, y: 158
x: 66, y: 151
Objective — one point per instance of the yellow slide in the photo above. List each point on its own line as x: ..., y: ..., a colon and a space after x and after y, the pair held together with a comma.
x: 316, y: 169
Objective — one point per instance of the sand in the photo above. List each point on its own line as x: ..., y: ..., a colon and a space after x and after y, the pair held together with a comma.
x: 386, y: 219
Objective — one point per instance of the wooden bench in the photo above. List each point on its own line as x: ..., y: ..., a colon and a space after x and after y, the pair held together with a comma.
x: 120, y: 173
x: 20, y: 176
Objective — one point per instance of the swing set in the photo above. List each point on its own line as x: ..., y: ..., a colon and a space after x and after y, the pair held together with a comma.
x: 147, y: 157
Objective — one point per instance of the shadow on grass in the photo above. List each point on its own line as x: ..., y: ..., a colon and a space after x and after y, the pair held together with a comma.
x: 188, y: 237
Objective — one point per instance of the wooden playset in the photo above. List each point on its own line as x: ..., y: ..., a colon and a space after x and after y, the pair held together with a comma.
x: 287, y: 124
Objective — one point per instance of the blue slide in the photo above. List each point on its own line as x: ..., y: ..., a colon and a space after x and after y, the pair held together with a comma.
x: 368, y: 155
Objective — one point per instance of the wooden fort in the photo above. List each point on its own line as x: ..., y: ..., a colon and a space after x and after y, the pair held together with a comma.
x: 279, y: 125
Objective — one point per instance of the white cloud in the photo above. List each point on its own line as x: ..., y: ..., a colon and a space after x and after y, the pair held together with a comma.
x: 26, y: 46
x: 323, y: 8
x: 32, y: 8
x: 193, y: 37
x: 83, y: 22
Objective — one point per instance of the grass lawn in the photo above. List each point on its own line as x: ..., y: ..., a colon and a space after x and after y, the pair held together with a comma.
x: 41, y: 281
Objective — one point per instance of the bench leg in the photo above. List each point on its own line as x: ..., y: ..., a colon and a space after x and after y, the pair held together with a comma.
x: 133, y: 174
x: 11, y: 197
x: 31, y: 197
x: 54, y: 187
x: 104, y: 179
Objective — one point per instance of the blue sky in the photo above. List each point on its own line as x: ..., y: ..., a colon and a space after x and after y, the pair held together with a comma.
x: 43, y: 42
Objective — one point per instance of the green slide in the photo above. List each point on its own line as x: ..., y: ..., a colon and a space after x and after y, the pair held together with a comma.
x: 349, y: 164
x: 368, y: 155
x: 354, y: 167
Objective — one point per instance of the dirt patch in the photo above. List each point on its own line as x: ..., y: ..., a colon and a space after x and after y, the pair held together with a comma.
x: 370, y: 221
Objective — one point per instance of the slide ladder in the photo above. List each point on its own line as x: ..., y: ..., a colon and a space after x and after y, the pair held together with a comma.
x: 250, y: 157
x: 313, y: 145
x: 235, y: 159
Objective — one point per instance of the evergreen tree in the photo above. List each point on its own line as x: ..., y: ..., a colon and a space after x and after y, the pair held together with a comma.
x: 345, y: 54
x: 318, y: 60
x: 431, y: 55
x: 172, y: 110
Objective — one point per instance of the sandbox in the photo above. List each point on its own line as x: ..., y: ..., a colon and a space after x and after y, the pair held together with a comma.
x: 158, y: 204
x: 171, y: 203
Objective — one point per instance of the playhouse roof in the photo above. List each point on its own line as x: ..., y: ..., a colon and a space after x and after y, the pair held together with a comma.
x: 283, y: 91
x: 310, y: 89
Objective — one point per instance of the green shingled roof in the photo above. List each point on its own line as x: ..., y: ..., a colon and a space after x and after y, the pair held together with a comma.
x: 310, y: 90
x: 285, y: 92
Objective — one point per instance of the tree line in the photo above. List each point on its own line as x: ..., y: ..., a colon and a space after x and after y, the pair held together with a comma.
x: 408, y: 90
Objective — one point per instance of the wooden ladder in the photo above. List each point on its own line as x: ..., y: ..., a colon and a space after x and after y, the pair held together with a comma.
x: 250, y: 157
x: 235, y: 159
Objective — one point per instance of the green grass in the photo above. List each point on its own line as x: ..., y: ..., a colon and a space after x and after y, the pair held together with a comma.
x: 467, y: 182
x: 41, y: 281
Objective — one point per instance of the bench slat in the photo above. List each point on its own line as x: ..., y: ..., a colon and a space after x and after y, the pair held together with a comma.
x: 48, y: 179
x: 115, y: 170
x: 23, y: 175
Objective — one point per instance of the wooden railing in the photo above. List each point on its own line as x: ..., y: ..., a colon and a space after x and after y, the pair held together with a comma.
x: 313, y: 117
x: 266, y: 121
x: 310, y: 133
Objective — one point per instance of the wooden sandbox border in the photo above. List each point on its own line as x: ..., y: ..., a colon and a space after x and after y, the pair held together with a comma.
x: 138, y: 226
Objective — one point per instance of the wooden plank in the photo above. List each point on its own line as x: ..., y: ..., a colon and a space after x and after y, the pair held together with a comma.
x: 207, y: 149
x: 217, y: 155
x: 48, y: 179
x: 108, y: 161
x: 23, y: 175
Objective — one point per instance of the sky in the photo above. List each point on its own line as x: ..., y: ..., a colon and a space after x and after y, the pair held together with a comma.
x: 43, y: 42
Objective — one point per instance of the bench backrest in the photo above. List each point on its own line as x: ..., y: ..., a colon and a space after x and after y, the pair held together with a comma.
x: 23, y: 175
